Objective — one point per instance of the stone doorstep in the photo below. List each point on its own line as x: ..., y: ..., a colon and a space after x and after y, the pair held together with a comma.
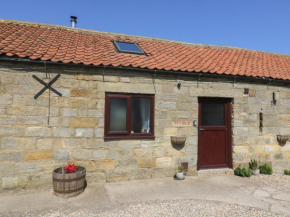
x: 210, y: 172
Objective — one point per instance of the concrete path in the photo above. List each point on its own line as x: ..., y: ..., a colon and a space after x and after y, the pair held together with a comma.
x: 100, y: 197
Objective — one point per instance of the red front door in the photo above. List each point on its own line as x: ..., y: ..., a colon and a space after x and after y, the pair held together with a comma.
x: 214, y: 133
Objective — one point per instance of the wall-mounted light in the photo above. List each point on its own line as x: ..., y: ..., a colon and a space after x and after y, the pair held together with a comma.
x: 179, y: 85
x: 195, y: 123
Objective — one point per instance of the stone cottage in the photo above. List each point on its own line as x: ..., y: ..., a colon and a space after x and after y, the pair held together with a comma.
x: 112, y: 102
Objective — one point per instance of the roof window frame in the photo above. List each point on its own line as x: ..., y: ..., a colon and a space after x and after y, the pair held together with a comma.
x: 119, y: 50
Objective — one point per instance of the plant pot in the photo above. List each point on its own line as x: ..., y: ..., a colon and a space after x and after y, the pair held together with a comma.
x: 256, y: 172
x: 68, y: 184
x: 180, y: 176
x: 177, y: 140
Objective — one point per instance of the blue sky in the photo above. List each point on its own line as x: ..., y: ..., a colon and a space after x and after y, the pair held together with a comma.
x: 254, y: 24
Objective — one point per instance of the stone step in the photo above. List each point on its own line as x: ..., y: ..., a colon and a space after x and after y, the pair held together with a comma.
x: 210, y: 172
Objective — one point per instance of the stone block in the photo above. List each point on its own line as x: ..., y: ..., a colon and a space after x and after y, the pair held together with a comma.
x: 98, y: 143
x: 137, y: 174
x: 81, y: 154
x: 38, y: 131
x: 93, y: 104
x: 87, y: 93
x: 5, y: 99
x: 84, y: 132
x: 69, y: 112
x: 157, y: 173
x: 8, y: 143
x: 7, y: 120
x: 100, y: 154
x: 22, y: 181
x: 166, y: 105
x: 7, y: 168
x: 18, y: 143
x: 126, y: 163
x: 99, y: 132
x: 27, y: 110
x: 71, y: 143
x: 272, y: 148
x: 238, y: 123
x: 241, y: 149
x: 9, y: 182
x: 191, y: 149
x: 24, y: 167
x: 11, y: 156
x: 159, y: 152
x: 280, y: 166
x: 47, y: 166
x: 124, y: 79
x: 37, y: 155
x: 257, y: 149
x: 45, y: 144
x: 240, y: 130
x: 116, y: 175
x: 130, y: 88
x: 170, y: 151
x: 40, y: 180
x: 11, y: 131
x: 120, y: 153
x: 83, y: 122
x: 147, y: 162
x: 170, y: 131
x: 32, y: 120
x: 61, y: 154
x: 191, y: 160
x: 104, y: 164
x: 63, y: 132
x: 95, y: 177
x: 94, y: 113
x: 164, y: 162
x: 143, y: 152
x: 79, y: 103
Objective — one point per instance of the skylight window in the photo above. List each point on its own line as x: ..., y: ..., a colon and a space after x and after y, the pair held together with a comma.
x: 128, y: 47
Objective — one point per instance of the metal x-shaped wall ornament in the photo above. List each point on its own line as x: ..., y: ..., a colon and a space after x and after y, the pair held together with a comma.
x: 46, y: 86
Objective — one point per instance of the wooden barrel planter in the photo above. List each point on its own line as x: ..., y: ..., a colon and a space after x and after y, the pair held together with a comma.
x: 68, y: 184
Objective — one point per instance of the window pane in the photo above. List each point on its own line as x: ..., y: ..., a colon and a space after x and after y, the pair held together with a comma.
x: 118, y: 115
x: 130, y: 47
x: 140, y: 118
x: 212, y: 114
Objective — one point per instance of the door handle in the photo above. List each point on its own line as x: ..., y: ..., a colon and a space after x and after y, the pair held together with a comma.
x: 200, y: 129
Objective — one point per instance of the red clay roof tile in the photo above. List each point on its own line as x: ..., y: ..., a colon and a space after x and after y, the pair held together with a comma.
x: 68, y: 45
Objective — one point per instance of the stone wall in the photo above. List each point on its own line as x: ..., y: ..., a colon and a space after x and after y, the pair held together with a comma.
x: 40, y: 135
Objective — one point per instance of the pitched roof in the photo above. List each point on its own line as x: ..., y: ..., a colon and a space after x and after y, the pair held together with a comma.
x: 78, y: 46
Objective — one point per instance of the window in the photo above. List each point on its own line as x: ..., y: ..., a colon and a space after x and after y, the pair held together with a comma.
x: 128, y: 47
x: 129, y: 116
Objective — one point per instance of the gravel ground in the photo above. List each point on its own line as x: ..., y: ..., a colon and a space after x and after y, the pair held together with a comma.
x: 278, y: 181
x: 168, y: 208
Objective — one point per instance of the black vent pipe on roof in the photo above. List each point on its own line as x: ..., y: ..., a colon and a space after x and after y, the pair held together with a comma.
x: 73, y: 21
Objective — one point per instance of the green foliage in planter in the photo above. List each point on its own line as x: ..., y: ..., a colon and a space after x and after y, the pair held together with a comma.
x: 253, y: 164
x: 243, y: 172
x: 180, y: 168
x: 287, y: 172
x: 266, y: 169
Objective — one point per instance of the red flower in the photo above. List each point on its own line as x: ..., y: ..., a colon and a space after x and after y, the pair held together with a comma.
x: 70, y: 168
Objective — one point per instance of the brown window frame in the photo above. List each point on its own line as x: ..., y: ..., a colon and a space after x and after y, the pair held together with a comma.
x: 127, y: 134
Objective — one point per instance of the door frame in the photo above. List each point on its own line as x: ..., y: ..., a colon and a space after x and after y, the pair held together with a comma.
x: 228, y: 123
